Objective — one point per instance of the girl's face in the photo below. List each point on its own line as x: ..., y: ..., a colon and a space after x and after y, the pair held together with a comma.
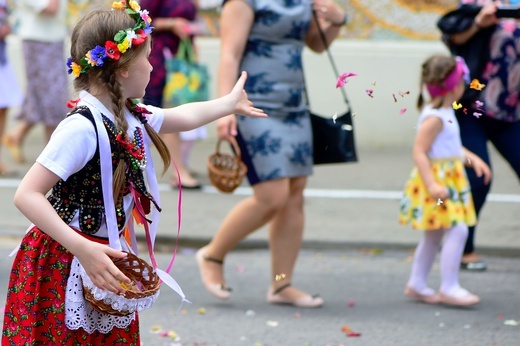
x: 459, y: 89
x: 137, y: 76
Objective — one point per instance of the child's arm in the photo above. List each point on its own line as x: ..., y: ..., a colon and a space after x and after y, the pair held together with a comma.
x: 480, y: 167
x: 192, y: 115
x: 30, y: 199
x: 428, y: 131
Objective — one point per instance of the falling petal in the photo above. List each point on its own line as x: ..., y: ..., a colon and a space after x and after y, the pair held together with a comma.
x: 297, y: 315
x: 351, y: 303
x: 240, y: 268
x: 395, y: 99
x: 511, y: 323
x: 450, y: 121
x: 345, y: 329
x: 353, y: 334
x: 439, y: 201
x: 250, y: 313
x: 479, y: 104
x: 456, y: 105
x: 402, y: 111
x: 475, y: 84
x: 402, y: 93
x: 477, y: 115
x: 201, y: 311
x: 342, y: 80
x: 370, y: 92
x: 374, y: 84
x: 272, y: 324
x: 334, y: 117
x: 465, y: 110
x: 155, y: 329
x: 184, y: 311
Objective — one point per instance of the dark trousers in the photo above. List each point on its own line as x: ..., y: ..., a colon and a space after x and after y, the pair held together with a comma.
x: 475, y: 133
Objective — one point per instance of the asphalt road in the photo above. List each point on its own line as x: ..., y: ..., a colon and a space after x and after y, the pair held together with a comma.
x: 362, y: 291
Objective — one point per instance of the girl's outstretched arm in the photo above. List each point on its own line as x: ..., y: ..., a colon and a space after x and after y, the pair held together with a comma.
x: 428, y: 131
x: 31, y: 201
x: 192, y: 115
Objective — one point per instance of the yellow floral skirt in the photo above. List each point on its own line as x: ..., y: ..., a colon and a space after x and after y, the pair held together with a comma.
x: 423, y: 212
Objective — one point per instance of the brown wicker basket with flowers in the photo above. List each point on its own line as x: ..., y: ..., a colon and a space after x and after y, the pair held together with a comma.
x: 226, y: 171
x: 139, y: 294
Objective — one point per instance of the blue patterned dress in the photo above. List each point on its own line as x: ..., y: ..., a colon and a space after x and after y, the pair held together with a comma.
x: 281, y: 145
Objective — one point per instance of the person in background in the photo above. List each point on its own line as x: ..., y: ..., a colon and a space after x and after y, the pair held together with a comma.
x: 437, y: 197
x: 493, y: 113
x: 10, y: 93
x: 43, y: 30
x: 266, y: 38
x: 173, y: 21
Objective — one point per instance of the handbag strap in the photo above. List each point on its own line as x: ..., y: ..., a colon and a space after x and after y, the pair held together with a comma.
x: 332, y: 63
x: 185, y: 50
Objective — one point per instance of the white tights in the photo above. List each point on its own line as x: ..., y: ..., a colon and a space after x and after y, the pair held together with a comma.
x: 451, y: 254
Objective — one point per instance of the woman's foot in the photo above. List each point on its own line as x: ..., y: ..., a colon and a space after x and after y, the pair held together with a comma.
x: 289, y: 295
x: 459, y: 297
x: 14, y: 148
x: 426, y: 295
x: 211, y: 274
x: 188, y: 183
x: 472, y: 262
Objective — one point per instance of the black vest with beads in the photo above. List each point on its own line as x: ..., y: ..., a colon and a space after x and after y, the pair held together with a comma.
x: 82, y: 192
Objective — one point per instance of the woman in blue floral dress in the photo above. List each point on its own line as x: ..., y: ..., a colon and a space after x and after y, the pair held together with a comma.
x: 266, y: 38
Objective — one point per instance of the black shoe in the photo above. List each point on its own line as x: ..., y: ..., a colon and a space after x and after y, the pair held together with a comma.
x: 477, y: 266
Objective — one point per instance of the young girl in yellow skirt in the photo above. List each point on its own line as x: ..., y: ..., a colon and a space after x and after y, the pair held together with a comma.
x: 437, y: 196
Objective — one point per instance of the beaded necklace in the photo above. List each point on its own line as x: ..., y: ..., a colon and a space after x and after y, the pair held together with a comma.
x: 132, y: 150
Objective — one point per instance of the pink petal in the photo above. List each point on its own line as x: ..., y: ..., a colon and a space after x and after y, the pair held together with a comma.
x: 402, y: 111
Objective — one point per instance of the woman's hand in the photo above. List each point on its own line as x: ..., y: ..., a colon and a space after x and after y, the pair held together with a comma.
x: 180, y: 27
x: 486, y: 17
x: 329, y: 11
x: 227, y: 126
x: 96, y: 260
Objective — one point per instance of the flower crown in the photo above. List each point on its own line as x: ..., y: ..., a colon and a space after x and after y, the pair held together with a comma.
x: 123, y: 39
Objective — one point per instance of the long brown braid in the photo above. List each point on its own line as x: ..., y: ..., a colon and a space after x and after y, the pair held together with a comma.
x: 95, y: 29
x: 434, y: 71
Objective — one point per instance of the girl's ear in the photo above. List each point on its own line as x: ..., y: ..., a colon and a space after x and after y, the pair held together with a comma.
x: 122, y: 73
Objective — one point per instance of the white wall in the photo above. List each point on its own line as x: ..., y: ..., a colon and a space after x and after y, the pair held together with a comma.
x: 392, y: 65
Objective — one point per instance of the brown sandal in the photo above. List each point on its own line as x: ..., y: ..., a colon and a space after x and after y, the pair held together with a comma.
x: 219, y: 290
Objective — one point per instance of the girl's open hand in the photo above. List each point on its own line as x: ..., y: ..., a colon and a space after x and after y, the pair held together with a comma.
x: 240, y: 101
x: 96, y: 260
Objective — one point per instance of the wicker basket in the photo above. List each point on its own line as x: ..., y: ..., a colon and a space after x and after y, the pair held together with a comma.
x: 226, y: 171
x: 145, y: 283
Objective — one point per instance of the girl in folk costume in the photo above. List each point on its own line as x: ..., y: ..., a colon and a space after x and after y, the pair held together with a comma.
x: 437, y: 197
x: 99, y: 167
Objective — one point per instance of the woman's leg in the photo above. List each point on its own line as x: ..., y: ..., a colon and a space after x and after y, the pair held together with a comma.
x: 173, y: 142
x: 14, y: 139
x: 474, y: 135
x: 247, y: 216
x: 285, y: 239
x: 424, y: 258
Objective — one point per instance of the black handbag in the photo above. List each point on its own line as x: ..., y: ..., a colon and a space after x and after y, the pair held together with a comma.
x: 333, y: 138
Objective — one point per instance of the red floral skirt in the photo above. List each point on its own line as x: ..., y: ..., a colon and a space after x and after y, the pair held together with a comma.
x: 35, y: 307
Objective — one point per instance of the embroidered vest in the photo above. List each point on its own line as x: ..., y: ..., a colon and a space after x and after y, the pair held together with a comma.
x: 82, y: 191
